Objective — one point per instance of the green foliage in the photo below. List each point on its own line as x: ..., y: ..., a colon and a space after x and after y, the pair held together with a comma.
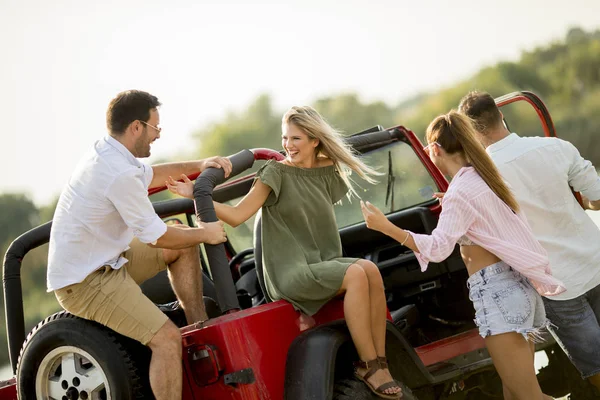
x: 19, y: 214
x: 565, y: 74
x: 258, y: 126
x: 346, y: 113
x: 47, y: 212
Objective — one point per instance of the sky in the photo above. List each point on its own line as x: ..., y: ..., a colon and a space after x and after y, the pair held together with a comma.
x: 63, y: 61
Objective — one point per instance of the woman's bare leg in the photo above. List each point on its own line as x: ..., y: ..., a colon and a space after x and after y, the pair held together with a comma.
x: 378, y: 305
x: 513, y: 358
x: 357, y: 311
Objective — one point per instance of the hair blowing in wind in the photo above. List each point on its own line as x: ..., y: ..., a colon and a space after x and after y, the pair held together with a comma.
x: 456, y: 134
x: 331, y: 143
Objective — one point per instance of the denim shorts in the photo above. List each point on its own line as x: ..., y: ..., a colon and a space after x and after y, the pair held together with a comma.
x: 577, y: 329
x: 505, y: 301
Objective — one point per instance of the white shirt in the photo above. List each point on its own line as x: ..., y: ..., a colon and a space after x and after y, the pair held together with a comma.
x: 540, y: 171
x: 104, y: 205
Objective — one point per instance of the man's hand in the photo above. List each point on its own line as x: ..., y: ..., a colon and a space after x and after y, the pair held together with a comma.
x: 182, y: 236
x: 588, y: 204
x: 439, y: 195
x: 374, y: 218
x: 183, y: 189
x: 214, y: 232
x: 217, y: 162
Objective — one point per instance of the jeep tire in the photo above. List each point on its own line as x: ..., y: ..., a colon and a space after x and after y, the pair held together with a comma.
x: 353, y: 389
x: 66, y: 357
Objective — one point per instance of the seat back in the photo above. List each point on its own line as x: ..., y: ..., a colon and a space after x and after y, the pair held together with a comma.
x: 258, y: 256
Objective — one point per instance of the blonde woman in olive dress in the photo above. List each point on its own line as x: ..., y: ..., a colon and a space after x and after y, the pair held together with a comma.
x: 302, y: 250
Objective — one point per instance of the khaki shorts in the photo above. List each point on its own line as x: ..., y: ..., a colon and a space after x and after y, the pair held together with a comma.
x: 113, y: 298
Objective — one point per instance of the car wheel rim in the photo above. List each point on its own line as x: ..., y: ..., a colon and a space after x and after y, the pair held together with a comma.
x: 69, y: 373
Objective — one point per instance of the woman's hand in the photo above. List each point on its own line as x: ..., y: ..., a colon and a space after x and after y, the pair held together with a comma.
x: 374, y: 218
x: 184, y: 189
x: 439, y: 195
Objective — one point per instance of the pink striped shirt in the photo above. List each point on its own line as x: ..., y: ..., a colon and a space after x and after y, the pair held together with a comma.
x: 470, y: 208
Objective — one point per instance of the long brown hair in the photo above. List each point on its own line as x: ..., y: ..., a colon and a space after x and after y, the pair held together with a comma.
x: 331, y: 144
x: 455, y: 134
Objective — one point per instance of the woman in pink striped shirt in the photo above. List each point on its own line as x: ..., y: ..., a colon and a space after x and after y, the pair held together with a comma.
x: 508, y: 269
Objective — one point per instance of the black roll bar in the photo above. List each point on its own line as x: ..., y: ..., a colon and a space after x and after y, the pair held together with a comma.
x: 205, y: 211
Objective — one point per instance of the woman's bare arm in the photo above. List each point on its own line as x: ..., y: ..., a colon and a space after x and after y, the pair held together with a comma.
x: 246, y: 208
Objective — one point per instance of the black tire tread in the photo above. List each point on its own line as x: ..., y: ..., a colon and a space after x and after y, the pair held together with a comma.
x: 352, y: 389
x: 133, y: 369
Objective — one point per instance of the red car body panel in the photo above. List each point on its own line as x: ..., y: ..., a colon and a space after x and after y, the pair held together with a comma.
x: 8, y: 390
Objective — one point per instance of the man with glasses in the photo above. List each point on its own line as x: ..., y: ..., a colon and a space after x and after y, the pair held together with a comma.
x: 541, y: 172
x: 106, y: 239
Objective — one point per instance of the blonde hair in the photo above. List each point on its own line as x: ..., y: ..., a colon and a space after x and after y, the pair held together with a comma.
x: 455, y: 133
x: 331, y: 144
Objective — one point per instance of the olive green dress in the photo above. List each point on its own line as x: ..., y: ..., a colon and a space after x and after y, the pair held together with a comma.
x: 302, y: 250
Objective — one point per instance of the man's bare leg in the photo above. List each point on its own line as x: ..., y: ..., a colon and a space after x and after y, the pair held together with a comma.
x: 165, y: 365
x: 185, y: 275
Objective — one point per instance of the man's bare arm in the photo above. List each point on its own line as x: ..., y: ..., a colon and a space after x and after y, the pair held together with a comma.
x: 162, y: 172
x: 177, y: 238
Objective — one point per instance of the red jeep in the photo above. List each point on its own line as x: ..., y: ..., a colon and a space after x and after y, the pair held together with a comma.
x: 253, y: 348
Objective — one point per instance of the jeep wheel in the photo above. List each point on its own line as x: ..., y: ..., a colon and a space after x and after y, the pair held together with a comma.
x: 353, y: 389
x: 70, y: 371
x: 66, y: 357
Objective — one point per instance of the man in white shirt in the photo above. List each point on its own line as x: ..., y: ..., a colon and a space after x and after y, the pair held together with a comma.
x: 106, y: 239
x: 541, y: 172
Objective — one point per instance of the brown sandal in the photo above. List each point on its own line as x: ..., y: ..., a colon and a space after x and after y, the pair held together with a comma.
x: 372, y: 367
x: 407, y: 394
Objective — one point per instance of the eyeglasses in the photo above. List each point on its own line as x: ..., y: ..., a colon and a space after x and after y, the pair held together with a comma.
x: 158, y: 129
x: 427, y: 148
